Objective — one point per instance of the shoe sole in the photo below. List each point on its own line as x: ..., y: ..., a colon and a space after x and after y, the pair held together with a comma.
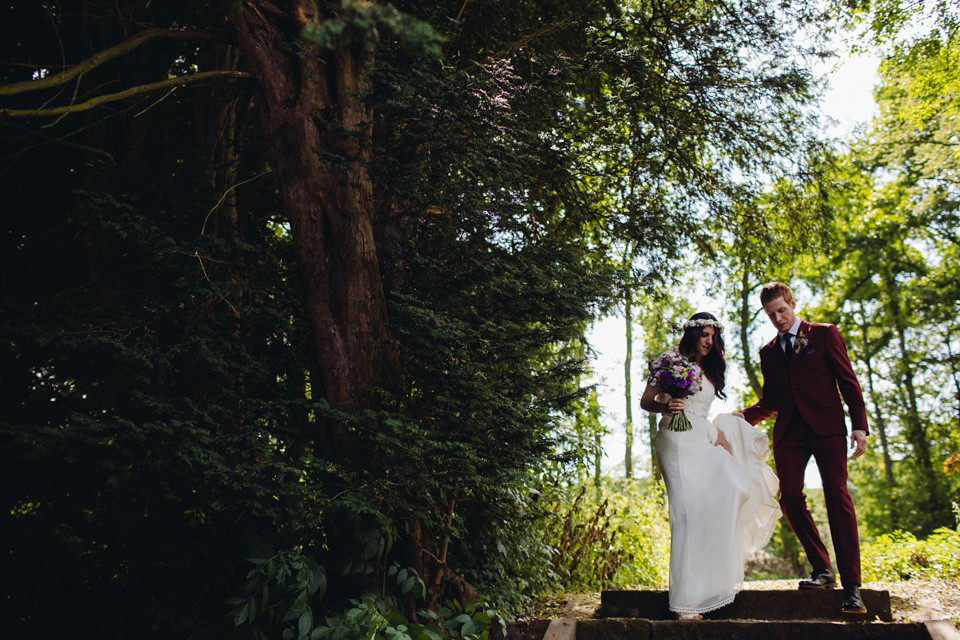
x: 854, y: 611
x: 832, y: 585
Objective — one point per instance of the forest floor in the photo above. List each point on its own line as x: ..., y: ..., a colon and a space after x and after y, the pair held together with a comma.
x: 910, y: 601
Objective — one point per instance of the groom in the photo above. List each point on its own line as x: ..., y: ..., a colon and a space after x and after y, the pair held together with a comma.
x: 805, y: 372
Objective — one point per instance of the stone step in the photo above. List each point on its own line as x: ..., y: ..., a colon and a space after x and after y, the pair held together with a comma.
x: 810, y: 604
x: 640, y: 629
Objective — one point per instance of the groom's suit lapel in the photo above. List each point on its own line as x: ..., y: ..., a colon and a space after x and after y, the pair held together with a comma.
x: 802, y: 330
x: 777, y: 345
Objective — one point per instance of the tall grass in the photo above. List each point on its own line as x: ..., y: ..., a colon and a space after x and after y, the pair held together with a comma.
x: 613, y: 536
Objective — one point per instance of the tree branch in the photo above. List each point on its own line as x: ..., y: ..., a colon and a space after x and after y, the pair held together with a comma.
x: 463, y: 8
x: 100, y: 57
x: 121, y: 95
x: 522, y: 42
x: 76, y: 145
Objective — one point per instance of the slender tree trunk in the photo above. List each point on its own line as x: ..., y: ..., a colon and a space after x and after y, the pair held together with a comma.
x: 916, y: 431
x: 748, y: 365
x: 789, y: 545
x: 216, y: 120
x: 628, y: 382
x: 953, y: 372
x: 597, y: 469
x: 652, y: 431
x: 880, y: 423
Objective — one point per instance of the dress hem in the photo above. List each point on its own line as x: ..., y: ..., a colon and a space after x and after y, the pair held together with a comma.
x: 719, y: 605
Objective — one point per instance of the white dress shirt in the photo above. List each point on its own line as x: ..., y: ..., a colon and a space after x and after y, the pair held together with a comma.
x: 793, y: 330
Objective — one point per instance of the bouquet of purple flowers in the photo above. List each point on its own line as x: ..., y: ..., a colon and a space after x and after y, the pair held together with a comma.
x: 677, y: 376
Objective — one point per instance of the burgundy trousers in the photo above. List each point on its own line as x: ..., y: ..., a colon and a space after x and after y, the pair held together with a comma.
x: 791, y: 455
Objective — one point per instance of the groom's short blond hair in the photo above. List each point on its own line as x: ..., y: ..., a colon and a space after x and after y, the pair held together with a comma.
x: 776, y: 290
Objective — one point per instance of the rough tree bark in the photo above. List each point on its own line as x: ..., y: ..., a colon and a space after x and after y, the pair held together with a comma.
x: 318, y: 132
x: 319, y: 135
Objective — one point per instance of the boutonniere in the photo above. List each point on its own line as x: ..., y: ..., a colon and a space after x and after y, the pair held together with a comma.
x: 800, y: 343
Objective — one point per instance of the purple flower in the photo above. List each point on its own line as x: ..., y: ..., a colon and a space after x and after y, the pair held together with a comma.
x: 678, y: 376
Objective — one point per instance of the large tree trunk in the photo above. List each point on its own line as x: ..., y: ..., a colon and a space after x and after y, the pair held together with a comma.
x: 318, y: 130
x: 597, y: 468
x: 318, y: 135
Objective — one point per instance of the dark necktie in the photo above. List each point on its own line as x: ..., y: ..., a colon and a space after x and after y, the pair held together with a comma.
x: 788, y: 345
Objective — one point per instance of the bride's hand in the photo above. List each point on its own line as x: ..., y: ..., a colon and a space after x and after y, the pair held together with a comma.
x: 676, y: 405
x: 723, y: 442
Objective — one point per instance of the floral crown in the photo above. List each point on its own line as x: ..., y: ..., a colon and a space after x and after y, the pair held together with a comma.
x: 703, y: 322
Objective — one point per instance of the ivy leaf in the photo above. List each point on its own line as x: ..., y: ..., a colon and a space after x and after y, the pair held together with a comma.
x: 305, y: 624
x: 240, y: 616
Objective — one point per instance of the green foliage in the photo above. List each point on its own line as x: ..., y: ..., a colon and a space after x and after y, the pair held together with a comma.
x: 474, y: 621
x: 889, y: 283
x: 162, y: 409
x: 901, y: 556
x: 890, y: 280
x: 639, y: 514
x: 277, y: 599
x: 567, y: 538
x: 615, y: 540
x: 362, y: 22
x: 377, y: 618
x: 147, y: 416
x: 509, y: 559
x: 370, y: 618
x: 283, y: 599
x: 584, y: 543
x: 408, y: 581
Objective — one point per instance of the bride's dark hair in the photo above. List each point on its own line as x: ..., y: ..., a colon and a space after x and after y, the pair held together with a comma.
x: 714, y: 364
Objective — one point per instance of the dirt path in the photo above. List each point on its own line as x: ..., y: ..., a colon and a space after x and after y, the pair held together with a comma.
x: 910, y: 601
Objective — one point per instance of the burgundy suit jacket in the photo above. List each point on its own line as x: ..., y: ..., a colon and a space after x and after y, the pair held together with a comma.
x: 810, y: 383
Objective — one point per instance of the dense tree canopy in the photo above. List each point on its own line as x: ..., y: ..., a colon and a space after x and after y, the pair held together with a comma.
x: 883, y: 267
x: 307, y: 282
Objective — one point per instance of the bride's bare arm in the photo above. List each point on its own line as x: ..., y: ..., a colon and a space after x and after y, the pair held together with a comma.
x: 649, y: 402
x: 723, y: 442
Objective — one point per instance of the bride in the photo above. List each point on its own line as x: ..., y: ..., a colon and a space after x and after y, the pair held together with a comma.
x: 720, y: 491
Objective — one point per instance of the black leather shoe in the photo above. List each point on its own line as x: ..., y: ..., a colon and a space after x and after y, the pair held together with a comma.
x: 823, y: 579
x: 851, y: 600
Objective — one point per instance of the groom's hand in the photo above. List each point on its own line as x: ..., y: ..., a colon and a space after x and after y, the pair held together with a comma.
x: 858, y: 440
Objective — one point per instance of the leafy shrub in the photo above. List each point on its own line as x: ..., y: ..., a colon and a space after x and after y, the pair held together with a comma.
x: 376, y: 617
x: 278, y: 595
x: 901, y: 556
x: 283, y: 598
x: 640, y: 515
x: 618, y: 536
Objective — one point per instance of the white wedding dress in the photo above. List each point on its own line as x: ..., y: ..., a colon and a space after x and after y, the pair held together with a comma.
x: 722, y: 506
